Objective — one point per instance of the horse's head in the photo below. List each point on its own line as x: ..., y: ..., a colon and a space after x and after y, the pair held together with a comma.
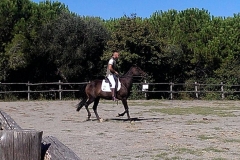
x: 137, y: 71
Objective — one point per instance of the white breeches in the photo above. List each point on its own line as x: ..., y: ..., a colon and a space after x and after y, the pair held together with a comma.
x: 111, y: 79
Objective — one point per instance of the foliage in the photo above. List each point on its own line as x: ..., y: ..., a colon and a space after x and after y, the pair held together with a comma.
x: 47, y: 42
x: 135, y: 93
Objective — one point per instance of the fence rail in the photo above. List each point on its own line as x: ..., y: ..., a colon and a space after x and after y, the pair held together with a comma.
x: 146, y: 88
x: 29, y: 85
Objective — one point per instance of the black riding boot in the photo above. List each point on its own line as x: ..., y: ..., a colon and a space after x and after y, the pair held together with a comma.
x: 113, y: 94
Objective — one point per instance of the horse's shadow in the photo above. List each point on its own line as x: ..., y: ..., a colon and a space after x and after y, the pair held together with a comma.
x: 136, y: 119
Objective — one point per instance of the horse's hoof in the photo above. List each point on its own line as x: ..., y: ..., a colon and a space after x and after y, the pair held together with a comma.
x: 100, y: 120
x: 120, y: 115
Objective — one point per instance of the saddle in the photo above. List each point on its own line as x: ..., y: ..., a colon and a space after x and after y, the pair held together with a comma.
x: 106, y: 84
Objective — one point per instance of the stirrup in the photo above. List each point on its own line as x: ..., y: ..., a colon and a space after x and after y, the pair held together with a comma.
x: 115, y: 99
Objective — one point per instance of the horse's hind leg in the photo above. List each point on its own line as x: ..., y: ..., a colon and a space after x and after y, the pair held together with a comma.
x: 81, y: 104
x: 96, y: 101
x: 89, y: 101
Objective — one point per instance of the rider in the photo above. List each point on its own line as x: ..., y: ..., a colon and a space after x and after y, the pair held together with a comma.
x: 112, y: 74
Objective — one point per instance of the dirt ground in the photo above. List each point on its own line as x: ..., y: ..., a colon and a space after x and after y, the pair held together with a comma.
x: 152, y: 135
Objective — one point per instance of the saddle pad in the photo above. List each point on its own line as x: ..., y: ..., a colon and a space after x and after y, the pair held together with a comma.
x: 106, y: 88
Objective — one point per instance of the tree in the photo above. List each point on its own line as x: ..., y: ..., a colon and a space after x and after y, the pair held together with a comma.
x: 13, y: 17
x: 73, y: 45
x: 132, y: 38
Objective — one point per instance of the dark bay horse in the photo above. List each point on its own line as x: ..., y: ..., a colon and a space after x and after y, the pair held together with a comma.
x: 93, y: 92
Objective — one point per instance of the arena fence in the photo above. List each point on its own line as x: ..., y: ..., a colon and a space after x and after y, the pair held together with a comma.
x: 56, y: 89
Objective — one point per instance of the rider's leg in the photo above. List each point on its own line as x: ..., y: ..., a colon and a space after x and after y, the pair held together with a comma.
x: 113, y: 94
x: 116, y: 83
x: 112, y: 87
x: 115, y: 89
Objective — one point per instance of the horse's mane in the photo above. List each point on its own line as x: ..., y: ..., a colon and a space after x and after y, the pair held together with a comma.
x: 128, y: 74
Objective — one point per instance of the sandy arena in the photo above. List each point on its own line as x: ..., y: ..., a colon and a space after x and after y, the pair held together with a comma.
x: 152, y: 135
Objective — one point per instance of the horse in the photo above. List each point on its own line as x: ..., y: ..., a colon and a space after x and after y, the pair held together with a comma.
x: 93, y: 92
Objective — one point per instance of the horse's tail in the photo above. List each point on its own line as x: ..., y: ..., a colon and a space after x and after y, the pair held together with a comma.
x: 82, y: 93
x: 83, y: 96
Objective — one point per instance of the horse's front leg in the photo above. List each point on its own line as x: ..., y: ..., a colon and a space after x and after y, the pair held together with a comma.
x: 96, y: 101
x: 124, y: 102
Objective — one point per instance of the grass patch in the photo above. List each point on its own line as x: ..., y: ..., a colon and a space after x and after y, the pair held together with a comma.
x: 140, y: 157
x: 212, y: 149
x: 190, y: 122
x: 232, y: 140
x: 179, y: 151
x: 161, y: 156
x: 174, y: 158
x: 67, y: 130
x: 146, y: 103
x: 204, y: 137
x: 100, y: 134
x: 138, y: 102
x: 199, y: 110
x: 114, y: 157
x: 187, y: 150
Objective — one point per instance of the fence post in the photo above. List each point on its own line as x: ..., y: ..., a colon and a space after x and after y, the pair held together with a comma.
x: 60, y: 90
x: 20, y: 144
x: 196, y: 89
x: 223, y: 96
x: 28, y: 91
x: 171, y: 89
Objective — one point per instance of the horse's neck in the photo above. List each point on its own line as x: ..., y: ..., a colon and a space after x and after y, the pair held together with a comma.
x: 129, y: 74
x: 127, y: 80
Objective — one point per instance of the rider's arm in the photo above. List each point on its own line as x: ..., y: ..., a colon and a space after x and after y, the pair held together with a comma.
x: 111, y: 69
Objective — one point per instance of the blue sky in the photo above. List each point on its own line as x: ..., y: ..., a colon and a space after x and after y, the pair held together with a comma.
x: 107, y: 9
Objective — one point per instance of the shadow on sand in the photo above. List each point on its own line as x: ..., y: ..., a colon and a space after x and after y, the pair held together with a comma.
x: 136, y: 119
